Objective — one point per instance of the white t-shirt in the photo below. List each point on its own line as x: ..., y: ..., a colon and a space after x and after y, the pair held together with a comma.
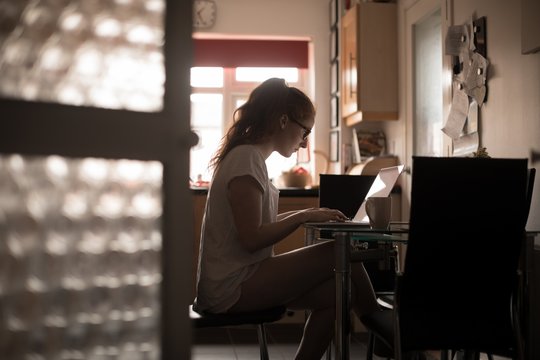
x: 223, y: 263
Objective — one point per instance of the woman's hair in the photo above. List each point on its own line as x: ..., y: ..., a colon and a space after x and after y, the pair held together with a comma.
x: 259, y: 117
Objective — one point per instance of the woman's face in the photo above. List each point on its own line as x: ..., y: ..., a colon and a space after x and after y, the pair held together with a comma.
x: 294, y: 135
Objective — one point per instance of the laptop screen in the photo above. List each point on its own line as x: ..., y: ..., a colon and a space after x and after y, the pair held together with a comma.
x: 382, y: 186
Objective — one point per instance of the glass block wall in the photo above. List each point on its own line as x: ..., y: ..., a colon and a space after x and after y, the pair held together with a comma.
x: 80, y: 249
x: 101, y: 53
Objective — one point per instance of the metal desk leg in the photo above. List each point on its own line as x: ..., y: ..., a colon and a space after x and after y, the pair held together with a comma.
x: 343, y: 295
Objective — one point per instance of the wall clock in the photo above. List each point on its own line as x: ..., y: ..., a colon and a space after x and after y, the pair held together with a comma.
x: 204, y: 13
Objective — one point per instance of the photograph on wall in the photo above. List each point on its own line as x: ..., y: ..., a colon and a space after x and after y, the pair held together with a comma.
x: 334, y: 146
x: 334, y: 77
x: 334, y: 111
x: 334, y: 45
x: 333, y: 13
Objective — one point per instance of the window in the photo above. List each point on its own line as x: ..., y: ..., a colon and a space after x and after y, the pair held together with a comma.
x: 216, y: 93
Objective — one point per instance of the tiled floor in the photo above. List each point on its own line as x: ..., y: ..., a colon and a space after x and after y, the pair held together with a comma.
x: 241, y: 343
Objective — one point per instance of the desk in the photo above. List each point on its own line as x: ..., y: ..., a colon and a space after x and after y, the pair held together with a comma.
x: 344, y: 236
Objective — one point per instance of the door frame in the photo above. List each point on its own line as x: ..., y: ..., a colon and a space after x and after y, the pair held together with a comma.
x: 413, y: 11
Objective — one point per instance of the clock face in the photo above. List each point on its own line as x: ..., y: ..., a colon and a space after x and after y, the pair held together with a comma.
x: 204, y: 13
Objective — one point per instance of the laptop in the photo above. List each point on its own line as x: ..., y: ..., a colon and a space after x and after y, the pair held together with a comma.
x: 381, y: 186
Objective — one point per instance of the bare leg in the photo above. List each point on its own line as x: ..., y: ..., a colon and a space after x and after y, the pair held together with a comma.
x: 363, y: 295
x: 320, y: 325
x: 304, y: 279
x: 286, y: 277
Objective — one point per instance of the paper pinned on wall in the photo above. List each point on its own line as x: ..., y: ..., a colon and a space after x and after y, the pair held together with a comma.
x: 466, y: 144
x: 470, y: 86
x: 465, y: 62
x: 458, y: 114
x: 470, y: 28
x: 457, y: 40
x: 471, y: 126
x: 475, y: 78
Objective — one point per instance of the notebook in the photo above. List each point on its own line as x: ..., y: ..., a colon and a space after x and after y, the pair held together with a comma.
x: 381, y: 186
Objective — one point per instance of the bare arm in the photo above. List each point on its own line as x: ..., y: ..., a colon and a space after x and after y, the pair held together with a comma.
x: 246, y: 200
x: 285, y: 214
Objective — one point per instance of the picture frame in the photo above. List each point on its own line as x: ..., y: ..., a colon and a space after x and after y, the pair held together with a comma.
x: 334, y: 78
x: 333, y: 13
x: 333, y: 45
x: 334, y: 146
x: 334, y: 111
x: 530, y: 26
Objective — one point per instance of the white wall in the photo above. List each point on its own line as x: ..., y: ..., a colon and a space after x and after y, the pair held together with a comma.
x: 510, y: 118
x: 308, y: 19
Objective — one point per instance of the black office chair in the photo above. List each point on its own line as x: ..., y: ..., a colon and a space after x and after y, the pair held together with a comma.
x: 257, y: 318
x: 524, y: 306
x: 530, y: 190
x: 458, y: 288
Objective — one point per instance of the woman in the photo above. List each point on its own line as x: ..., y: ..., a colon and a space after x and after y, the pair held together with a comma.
x: 237, y: 268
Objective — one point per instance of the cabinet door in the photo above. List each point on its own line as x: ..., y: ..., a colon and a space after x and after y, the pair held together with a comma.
x: 369, y: 63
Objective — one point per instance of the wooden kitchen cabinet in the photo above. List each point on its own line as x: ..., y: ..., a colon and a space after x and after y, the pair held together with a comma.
x: 369, y: 68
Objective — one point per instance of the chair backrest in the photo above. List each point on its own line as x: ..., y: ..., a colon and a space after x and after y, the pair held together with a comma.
x: 530, y: 190
x: 466, y: 230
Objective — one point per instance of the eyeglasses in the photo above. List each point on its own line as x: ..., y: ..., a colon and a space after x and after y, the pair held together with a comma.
x: 307, y: 130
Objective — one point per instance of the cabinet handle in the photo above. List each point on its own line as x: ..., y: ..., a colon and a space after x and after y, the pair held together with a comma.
x: 352, y: 73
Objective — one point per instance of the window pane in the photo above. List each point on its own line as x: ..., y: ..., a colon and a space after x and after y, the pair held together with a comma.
x: 258, y: 74
x: 428, y: 139
x: 206, y: 77
x: 80, y: 250
x: 106, y: 56
x: 207, y: 122
x: 276, y: 164
x: 209, y: 140
x: 239, y: 102
x: 206, y: 110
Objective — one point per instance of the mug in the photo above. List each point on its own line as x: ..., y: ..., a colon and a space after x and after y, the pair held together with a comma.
x: 379, y: 212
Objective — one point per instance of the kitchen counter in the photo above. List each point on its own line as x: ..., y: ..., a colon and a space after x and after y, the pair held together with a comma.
x: 283, y: 192
x: 289, y: 192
